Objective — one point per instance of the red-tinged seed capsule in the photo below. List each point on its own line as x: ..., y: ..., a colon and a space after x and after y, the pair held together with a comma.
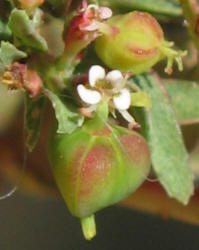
x: 135, y: 42
x: 97, y: 166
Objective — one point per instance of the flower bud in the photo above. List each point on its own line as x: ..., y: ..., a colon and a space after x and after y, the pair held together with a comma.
x: 135, y: 43
x: 96, y: 166
x: 83, y: 29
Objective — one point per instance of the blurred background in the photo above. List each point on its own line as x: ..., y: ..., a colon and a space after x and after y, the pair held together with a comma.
x: 45, y: 224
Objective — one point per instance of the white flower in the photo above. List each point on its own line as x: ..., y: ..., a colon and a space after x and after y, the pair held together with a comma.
x: 117, y: 92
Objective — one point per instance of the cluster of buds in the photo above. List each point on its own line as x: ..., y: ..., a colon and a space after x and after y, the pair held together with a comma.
x: 18, y: 76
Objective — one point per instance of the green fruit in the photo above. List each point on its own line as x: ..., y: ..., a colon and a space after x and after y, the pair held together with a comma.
x: 135, y: 42
x: 97, y: 166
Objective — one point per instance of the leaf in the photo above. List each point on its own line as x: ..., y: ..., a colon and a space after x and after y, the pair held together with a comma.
x: 184, y: 96
x: 9, y: 53
x: 165, y: 7
x: 168, y: 153
x: 68, y: 120
x: 25, y: 31
x: 140, y: 99
x: 33, y: 114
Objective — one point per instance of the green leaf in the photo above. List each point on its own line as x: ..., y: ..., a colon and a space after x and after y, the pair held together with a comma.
x: 168, y: 153
x: 33, y: 114
x: 68, y: 120
x: 140, y: 99
x: 165, y: 7
x: 9, y: 53
x: 184, y: 96
x: 25, y: 31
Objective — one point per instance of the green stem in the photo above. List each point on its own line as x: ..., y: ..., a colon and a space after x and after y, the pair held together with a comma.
x: 191, y: 13
x: 69, y: 55
x: 88, y: 227
x: 100, y: 118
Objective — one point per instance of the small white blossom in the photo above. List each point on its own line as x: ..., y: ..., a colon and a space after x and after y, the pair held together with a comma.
x: 112, y: 86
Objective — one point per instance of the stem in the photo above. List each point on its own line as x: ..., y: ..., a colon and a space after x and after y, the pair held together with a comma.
x: 70, y: 53
x: 191, y: 13
x: 88, y: 227
x: 99, y: 120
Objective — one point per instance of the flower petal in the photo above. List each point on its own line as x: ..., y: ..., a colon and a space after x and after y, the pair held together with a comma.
x: 105, y: 13
x: 116, y: 78
x: 96, y: 73
x: 123, y: 100
x: 89, y: 96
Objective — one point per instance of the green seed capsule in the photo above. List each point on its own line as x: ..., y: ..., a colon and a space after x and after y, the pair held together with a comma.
x: 135, y: 42
x: 96, y: 166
